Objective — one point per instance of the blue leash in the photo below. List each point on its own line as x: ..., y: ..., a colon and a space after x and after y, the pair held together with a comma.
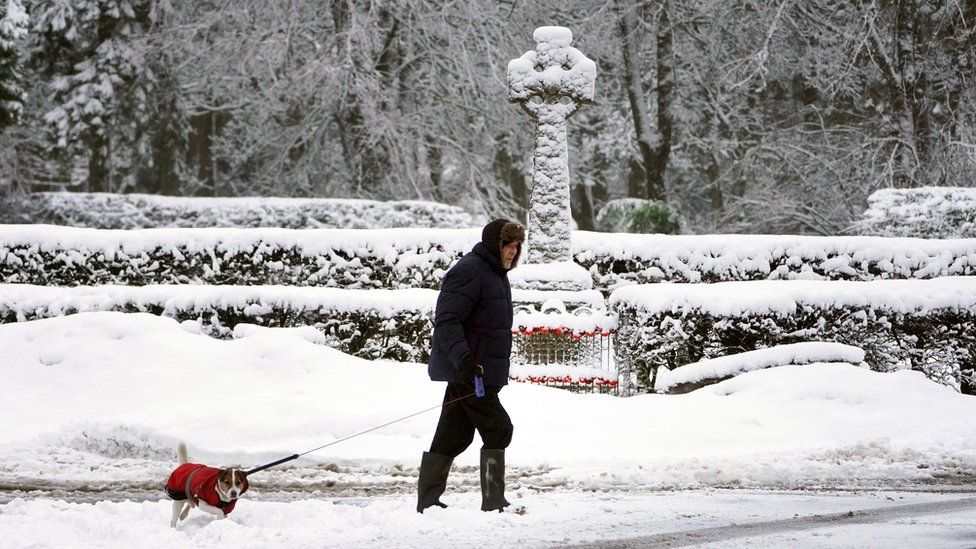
x: 479, y: 391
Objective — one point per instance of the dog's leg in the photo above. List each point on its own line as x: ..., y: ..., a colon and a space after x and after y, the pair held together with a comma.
x: 186, y: 511
x: 177, y: 507
x: 204, y: 506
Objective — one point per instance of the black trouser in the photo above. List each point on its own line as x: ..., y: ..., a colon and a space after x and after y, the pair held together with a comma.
x: 458, y: 421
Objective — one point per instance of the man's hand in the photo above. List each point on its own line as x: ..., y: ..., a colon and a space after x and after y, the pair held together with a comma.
x: 468, y: 369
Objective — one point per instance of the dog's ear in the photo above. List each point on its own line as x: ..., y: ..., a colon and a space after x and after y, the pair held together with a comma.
x: 223, y: 476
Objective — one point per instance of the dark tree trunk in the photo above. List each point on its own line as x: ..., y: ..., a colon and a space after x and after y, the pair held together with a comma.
x: 510, y: 173
x: 582, y: 207
x: 716, y: 197
x: 635, y: 179
x: 98, y: 170
x: 435, y: 167
x: 204, y: 128
x: 653, y: 147
x: 665, y: 97
x: 166, y: 142
x: 366, y: 156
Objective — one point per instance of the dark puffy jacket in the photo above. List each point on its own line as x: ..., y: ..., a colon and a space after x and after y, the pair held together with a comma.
x: 474, y: 314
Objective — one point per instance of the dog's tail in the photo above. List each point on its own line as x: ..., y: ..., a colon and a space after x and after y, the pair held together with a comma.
x: 181, y: 452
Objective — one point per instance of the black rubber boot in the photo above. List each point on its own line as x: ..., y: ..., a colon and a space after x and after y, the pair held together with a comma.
x: 493, y: 480
x: 434, y: 469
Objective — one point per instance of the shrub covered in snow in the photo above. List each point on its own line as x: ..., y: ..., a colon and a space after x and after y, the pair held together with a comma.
x: 394, y: 325
x: 618, y: 259
x: 386, y: 258
x: 925, y: 212
x: 384, y: 324
x: 637, y: 215
x: 404, y: 258
x: 927, y: 325
x: 138, y: 211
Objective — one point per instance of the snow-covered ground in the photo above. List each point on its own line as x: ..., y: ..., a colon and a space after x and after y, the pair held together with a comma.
x: 94, y: 403
x: 723, y: 518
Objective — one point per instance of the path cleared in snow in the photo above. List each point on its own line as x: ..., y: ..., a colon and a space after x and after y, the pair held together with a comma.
x: 723, y: 518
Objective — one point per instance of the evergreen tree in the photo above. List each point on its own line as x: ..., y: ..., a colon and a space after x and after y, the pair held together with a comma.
x: 13, y: 27
x: 91, y: 51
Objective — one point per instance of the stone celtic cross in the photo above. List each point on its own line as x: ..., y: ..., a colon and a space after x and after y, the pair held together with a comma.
x: 551, y: 83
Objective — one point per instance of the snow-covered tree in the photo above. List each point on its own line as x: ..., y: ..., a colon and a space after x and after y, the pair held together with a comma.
x: 13, y: 28
x: 745, y: 115
x: 92, y: 53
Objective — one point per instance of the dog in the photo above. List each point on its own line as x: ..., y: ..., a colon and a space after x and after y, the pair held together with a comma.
x: 212, y: 490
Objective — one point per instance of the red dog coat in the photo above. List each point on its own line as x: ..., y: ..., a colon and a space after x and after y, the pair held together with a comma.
x: 202, y: 482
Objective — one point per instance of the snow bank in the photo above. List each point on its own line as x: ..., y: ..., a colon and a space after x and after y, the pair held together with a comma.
x: 715, y: 369
x: 141, y: 211
x: 136, y: 383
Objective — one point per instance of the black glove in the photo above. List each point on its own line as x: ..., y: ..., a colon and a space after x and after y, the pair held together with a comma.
x: 468, y: 369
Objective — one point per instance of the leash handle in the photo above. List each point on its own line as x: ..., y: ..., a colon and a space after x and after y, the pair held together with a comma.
x: 272, y: 464
x: 479, y: 386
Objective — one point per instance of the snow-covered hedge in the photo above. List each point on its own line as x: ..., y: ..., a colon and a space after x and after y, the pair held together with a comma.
x: 927, y: 325
x: 394, y: 324
x: 404, y: 258
x: 617, y: 259
x: 925, y: 212
x: 140, y: 211
x: 385, y: 324
x: 383, y: 258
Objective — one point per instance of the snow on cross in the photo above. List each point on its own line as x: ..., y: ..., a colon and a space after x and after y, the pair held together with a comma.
x: 551, y: 83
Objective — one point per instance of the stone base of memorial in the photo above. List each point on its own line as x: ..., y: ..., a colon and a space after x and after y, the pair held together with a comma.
x: 566, y: 276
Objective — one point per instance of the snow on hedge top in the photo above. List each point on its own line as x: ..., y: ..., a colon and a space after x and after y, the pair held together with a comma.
x: 731, y: 257
x: 781, y: 355
x: 783, y: 297
x: 929, y: 212
x: 137, y: 211
x: 255, y: 300
x: 384, y: 243
x: 552, y: 68
x: 691, y: 258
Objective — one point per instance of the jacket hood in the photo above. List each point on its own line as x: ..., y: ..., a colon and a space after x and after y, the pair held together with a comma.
x: 500, y: 232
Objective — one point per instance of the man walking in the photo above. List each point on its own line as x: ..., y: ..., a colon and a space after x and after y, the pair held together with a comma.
x: 473, y: 338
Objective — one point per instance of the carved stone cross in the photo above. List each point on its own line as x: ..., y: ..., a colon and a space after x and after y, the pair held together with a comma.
x: 551, y: 83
